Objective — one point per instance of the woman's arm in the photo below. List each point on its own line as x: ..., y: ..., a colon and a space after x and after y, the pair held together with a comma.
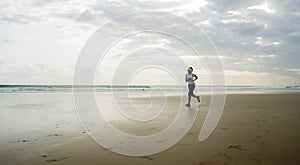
x: 196, y: 77
x: 186, y: 80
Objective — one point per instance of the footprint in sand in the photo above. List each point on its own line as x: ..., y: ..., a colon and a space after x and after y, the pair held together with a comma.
x: 161, y: 140
x: 56, y: 134
x: 237, y: 147
x: 257, y: 158
x: 225, y: 129
x: 184, y: 144
x: 224, y: 155
x: 263, y: 145
x: 56, y: 160
x: 19, y: 141
x: 146, y: 157
x: 190, y: 133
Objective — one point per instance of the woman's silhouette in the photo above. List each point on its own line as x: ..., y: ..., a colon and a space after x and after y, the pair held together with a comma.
x: 190, y: 78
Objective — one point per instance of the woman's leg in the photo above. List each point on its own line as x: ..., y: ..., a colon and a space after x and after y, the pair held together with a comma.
x: 189, y: 98
x: 189, y: 95
x: 191, y: 92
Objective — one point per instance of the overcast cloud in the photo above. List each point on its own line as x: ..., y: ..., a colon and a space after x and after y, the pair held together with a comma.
x: 258, y: 39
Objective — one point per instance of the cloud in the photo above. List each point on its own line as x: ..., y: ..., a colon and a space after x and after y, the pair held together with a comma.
x: 264, y: 7
x: 19, y: 18
x: 114, y: 9
x: 293, y: 37
x: 251, y: 35
x: 296, y: 70
x: 30, y: 73
x: 235, y: 77
x: 5, y: 40
x: 42, y: 2
x: 232, y: 4
x: 237, y: 30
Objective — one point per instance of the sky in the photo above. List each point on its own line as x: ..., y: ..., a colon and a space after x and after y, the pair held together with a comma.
x: 258, y: 40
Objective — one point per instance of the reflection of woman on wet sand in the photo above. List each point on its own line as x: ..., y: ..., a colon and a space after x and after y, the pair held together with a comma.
x: 190, y: 78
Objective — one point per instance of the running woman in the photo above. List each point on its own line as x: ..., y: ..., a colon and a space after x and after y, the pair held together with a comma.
x: 190, y: 78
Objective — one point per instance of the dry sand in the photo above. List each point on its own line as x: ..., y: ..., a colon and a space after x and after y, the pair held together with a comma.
x: 254, y: 129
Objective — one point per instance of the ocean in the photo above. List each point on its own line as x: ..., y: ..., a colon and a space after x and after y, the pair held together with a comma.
x: 107, y: 88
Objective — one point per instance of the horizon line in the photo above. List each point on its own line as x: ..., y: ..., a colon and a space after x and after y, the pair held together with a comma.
x: 139, y: 85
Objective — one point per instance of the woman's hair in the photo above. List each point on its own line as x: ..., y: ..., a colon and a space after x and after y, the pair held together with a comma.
x: 190, y: 68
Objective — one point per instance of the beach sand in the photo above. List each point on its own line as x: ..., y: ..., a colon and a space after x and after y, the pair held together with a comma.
x: 42, y: 128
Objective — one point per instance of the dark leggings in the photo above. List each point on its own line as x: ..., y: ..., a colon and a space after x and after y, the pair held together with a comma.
x: 191, y: 92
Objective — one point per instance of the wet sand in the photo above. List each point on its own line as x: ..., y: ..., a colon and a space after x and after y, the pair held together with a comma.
x: 42, y: 128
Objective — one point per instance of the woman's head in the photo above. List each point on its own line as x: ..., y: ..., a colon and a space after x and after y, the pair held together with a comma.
x: 190, y: 70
